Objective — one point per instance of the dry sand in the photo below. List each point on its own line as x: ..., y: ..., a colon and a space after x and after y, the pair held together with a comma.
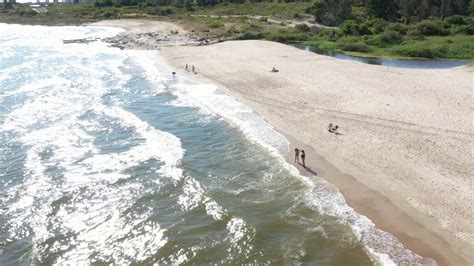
x: 406, y: 134
x: 404, y: 156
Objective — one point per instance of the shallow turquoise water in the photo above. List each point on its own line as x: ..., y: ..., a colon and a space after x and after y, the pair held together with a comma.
x: 105, y: 158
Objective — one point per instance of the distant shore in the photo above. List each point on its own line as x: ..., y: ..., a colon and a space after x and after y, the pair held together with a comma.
x: 404, y: 156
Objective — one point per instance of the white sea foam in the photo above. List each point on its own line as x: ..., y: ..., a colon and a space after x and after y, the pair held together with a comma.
x: 154, y: 72
x: 158, y: 145
x: 194, y: 196
x: 36, y: 87
x: 207, y: 96
x: 382, y: 246
x: 103, y: 230
x: 6, y: 52
x: 51, y: 36
x: 51, y: 122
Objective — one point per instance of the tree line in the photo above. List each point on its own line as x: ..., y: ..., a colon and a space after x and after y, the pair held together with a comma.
x: 334, y: 12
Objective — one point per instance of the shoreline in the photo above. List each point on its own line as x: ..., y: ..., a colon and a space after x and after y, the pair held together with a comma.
x: 380, y: 210
x: 410, y: 232
x: 418, y: 232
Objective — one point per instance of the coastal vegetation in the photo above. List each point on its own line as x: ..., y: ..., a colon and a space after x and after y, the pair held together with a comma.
x: 393, y: 28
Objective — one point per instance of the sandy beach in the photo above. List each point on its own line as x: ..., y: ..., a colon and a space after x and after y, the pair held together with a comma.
x: 403, y: 155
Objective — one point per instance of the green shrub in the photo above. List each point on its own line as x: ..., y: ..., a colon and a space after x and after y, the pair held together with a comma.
x: 287, y: 36
x: 251, y: 36
x: 390, y: 37
x: 364, y: 29
x: 350, y: 27
x: 302, y: 27
x: 376, y: 25
x: 233, y: 30
x: 109, y: 14
x: 297, y: 16
x: 103, y: 3
x: 433, y: 28
x: 349, y: 39
x: 215, y: 24
x: 421, y: 50
x: 456, y: 20
x: 384, y: 39
x: 322, y: 44
x: 329, y: 34
x: 254, y: 26
x: 354, y: 47
x: 166, y: 10
x: 161, y: 10
x: 464, y: 29
x: 397, y: 27
x: 27, y: 13
x: 415, y: 34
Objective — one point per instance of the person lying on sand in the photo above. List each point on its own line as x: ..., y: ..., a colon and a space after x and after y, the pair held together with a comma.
x: 274, y: 70
x: 297, y: 155
x: 330, y: 127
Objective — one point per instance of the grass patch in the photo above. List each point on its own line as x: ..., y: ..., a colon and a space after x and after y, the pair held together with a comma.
x: 275, y: 10
x: 355, y: 47
x: 215, y: 23
x: 323, y: 44
x: 287, y: 36
x: 452, y: 47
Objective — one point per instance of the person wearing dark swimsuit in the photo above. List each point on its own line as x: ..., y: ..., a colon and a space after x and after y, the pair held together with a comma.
x: 303, y: 156
x: 297, y: 155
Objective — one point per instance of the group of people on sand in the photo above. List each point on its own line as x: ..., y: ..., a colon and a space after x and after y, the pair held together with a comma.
x: 300, y: 153
x: 193, y: 69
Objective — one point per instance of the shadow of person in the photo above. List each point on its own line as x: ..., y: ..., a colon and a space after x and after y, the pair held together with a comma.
x: 308, y: 169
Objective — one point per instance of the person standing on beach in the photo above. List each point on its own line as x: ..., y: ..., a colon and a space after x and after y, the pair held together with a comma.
x: 297, y: 155
x: 303, y: 156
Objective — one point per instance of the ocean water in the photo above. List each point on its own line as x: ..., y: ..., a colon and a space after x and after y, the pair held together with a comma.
x: 106, y: 159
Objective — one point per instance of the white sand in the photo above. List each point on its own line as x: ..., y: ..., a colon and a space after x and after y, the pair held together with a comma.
x: 406, y: 133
